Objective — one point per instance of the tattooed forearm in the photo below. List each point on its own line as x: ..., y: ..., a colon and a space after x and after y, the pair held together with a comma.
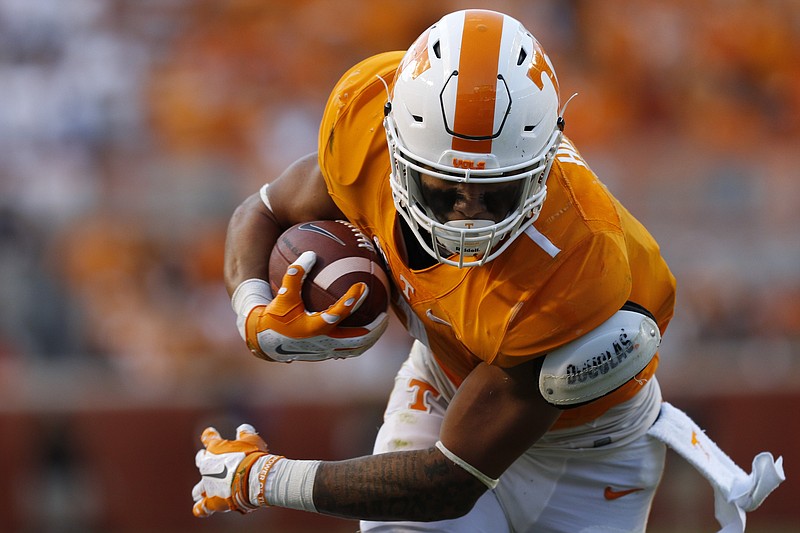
x: 419, y: 485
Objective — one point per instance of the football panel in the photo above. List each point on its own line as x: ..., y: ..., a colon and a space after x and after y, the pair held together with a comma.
x: 341, y: 262
x: 339, y: 276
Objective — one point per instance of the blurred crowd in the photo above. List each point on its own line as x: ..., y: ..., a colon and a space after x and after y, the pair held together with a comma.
x: 130, y: 129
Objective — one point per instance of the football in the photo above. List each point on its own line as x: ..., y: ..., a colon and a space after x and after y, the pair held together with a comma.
x: 344, y: 256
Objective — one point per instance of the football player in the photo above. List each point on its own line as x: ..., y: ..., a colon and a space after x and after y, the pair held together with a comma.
x: 537, y: 302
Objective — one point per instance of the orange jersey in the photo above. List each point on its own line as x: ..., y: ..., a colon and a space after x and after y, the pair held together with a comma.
x: 582, y: 259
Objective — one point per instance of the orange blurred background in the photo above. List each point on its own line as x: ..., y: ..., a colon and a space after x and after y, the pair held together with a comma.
x: 130, y: 129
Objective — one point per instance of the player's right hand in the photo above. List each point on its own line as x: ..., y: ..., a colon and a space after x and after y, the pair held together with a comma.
x: 224, y: 467
x: 283, y: 330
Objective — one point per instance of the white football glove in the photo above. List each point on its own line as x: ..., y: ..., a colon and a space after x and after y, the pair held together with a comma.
x: 225, y: 469
x: 283, y: 330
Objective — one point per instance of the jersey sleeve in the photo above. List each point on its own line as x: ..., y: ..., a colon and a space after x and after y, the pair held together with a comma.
x: 353, y: 118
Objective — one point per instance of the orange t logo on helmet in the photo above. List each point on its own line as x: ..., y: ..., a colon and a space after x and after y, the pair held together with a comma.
x: 539, y: 64
x: 418, y: 56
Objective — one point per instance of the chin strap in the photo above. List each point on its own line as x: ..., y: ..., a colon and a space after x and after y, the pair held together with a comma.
x: 560, y: 122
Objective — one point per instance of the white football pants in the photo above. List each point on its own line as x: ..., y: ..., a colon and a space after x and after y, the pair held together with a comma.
x: 600, y: 477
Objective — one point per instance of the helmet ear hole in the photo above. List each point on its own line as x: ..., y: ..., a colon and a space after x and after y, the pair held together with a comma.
x: 437, y: 49
x: 522, y: 55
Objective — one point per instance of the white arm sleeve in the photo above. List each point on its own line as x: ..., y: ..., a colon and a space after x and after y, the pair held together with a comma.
x: 249, y: 294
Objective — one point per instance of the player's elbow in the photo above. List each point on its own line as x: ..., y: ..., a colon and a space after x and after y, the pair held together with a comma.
x: 451, y: 492
x: 460, y: 505
x: 453, y: 501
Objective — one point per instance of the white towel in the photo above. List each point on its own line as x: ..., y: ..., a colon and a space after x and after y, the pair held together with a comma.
x: 735, y: 491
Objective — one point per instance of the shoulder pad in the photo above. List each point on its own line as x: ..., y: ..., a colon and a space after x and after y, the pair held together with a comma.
x: 601, y: 361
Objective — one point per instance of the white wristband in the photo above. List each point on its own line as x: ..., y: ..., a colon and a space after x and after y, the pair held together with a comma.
x: 258, y: 475
x: 280, y: 482
x: 483, y: 478
x: 249, y: 294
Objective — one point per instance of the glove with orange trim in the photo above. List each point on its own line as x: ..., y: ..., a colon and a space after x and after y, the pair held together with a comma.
x: 225, y: 469
x: 283, y: 330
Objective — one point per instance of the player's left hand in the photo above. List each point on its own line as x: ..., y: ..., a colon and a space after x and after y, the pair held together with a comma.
x: 283, y: 330
x: 225, y: 469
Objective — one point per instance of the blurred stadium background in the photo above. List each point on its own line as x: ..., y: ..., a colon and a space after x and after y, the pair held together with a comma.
x: 130, y: 129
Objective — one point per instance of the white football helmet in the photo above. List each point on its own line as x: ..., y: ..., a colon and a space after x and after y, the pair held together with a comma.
x: 475, y: 100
